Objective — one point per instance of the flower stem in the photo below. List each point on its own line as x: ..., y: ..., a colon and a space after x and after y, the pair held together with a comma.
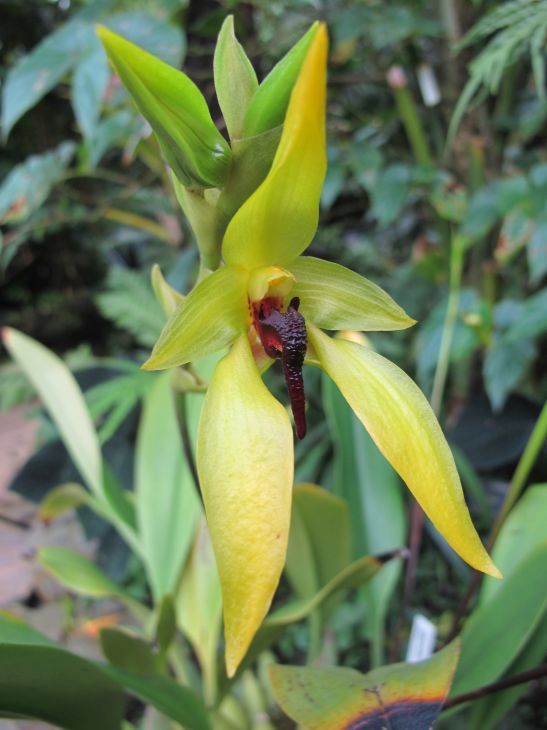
x: 441, y: 371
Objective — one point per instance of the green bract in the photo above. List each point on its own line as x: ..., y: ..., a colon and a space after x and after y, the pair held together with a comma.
x: 175, y: 109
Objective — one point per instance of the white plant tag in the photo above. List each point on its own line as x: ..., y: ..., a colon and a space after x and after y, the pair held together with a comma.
x: 422, y: 639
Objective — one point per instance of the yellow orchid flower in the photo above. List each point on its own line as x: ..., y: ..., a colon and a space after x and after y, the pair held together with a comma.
x: 268, y: 302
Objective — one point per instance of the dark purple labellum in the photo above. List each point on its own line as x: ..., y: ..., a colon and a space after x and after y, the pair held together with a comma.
x: 283, y: 336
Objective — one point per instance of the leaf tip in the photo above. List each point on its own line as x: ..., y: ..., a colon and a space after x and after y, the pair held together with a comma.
x: 6, y: 335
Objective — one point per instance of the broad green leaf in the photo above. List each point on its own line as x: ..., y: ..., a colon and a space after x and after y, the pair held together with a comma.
x: 39, y: 71
x: 199, y: 602
x: 168, y: 297
x: 498, y: 630
x: 320, y: 539
x: 269, y: 103
x: 245, y: 466
x: 280, y: 218
x: 27, y: 185
x: 372, y: 489
x: 235, y: 78
x: 319, y: 548
x: 505, y: 364
x: 176, y: 111
x: 401, y: 423
x: 524, y: 529
x: 400, y: 696
x: 390, y: 193
x: 531, y: 321
x: 208, y: 319
x: 171, y: 699
x: 64, y: 401
x: 336, y: 298
x: 40, y: 680
x: 62, y: 498
x: 126, y: 650
x: 89, y: 85
x: 79, y: 574
x: 486, y: 713
x: 165, y: 495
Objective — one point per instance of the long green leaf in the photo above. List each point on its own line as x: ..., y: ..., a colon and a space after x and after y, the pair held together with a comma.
x: 363, y: 477
x: 40, y: 680
x: 166, y: 501
x: 498, y: 630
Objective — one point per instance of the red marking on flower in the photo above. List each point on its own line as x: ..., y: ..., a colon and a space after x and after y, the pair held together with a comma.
x: 283, y: 336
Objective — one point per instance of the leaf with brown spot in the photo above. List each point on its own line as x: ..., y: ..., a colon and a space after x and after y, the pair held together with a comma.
x: 398, y: 697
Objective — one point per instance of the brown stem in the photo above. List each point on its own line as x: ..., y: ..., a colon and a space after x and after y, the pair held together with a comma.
x: 489, y: 689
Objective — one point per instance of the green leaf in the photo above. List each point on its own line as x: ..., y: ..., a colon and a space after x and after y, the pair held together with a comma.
x: 235, y: 78
x: 125, y: 650
x: 130, y: 303
x: 319, y: 548
x: 80, y: 575
x: 208, y: 319
x: 531, y: 321
x: 172, y: 699
x: 524, y: 529
x: 372, y: 489
x: 269, y: 103
x: 64, y: 401
x: 319, y: 541
x: 199, y: 601
x: 40, y: 680
x: 390, y: 192
x: 537, y: 252
x: 336, y: 298
x: 486, y: 713
x: 36, y: 73
x: 504, y: 366
x: 61, y: 499
x: 400, y: 696
x: 89, y: 85
x: 166, y: 623
x: 28, y: 185
x: 176, y: 111
x: 166, y: 500
x: 498, y: 630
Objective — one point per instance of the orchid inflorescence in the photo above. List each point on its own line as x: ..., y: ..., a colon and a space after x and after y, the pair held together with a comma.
x: 253, y: 206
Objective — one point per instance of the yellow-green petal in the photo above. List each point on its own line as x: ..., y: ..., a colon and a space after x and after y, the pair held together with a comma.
x: 335, y: 298
x: 245, y: 466
x: 280, y: 218
x: 208, y: 319
x: 400, y: 420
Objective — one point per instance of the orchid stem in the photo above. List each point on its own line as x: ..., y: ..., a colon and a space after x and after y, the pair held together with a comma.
x: 441, y: 371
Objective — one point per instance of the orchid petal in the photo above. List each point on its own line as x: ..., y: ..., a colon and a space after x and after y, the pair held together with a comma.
x: 208, y: 319
x: 402, y: 424
x: 335, y: 298
x: 279, y: 220
x: 245, y: 466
